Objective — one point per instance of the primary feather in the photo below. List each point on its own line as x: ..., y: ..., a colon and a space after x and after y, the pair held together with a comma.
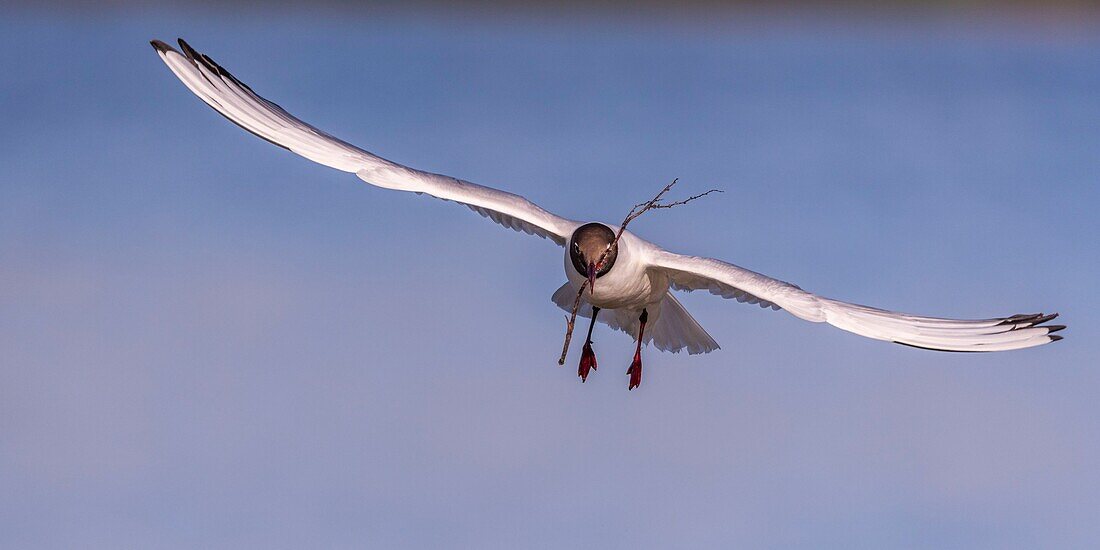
x: 730, y: 281
x: 245, y: 108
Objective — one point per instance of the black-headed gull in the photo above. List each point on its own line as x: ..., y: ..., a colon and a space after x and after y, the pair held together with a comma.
x: 632, y: 286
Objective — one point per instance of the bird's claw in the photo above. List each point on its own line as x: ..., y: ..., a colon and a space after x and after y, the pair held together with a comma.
x: 588, y: 361
x: 635, y: 372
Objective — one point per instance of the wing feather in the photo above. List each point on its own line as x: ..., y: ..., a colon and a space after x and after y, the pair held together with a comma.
x: 240, y: 104
x: 730, y: 281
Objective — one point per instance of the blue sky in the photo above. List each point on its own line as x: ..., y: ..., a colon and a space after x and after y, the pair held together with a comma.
x: 206, y: 341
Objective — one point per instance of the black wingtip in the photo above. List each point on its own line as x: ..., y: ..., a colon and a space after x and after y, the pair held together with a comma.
x: 187, y: 49
x: 1054, y: 337
x: 205, y: 60
x: 1020, y: 318
x: 1055, y: 328
x: 1028, y: 320
x: 159, y: 46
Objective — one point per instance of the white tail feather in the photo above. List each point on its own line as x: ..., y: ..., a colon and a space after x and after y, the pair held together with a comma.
x: 671, y: 328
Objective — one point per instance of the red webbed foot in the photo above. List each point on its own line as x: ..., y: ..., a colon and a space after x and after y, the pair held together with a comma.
x: 588, y: 361
x: 635, y: 372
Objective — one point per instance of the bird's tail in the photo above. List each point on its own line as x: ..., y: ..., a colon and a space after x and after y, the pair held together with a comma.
x: 671, y: 327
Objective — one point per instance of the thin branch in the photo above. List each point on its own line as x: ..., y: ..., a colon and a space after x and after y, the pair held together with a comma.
x: 638, y: 209
x: 685, y: 201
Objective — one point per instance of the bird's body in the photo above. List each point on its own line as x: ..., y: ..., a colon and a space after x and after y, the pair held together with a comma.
x: 630, y: 285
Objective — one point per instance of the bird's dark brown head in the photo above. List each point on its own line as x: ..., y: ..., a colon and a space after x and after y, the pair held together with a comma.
x: 586, y: 246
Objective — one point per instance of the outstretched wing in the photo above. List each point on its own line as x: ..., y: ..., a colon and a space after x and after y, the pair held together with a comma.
x: 237, y: 102
x: 729, y: 281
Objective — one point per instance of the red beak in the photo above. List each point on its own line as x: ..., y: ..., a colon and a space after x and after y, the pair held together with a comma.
x: 591, y: 277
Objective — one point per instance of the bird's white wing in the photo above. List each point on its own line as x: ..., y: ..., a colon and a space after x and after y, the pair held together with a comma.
x: 729, y: 281
x: 237, y: 102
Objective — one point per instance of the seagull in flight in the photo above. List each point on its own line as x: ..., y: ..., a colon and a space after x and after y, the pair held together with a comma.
x: 630, y: 289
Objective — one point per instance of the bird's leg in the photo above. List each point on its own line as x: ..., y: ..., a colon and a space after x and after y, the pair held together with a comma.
x: 635, y: 370
x: 588, y: 357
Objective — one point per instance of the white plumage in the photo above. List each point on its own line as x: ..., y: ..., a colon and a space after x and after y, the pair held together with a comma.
x: 642, y: 275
